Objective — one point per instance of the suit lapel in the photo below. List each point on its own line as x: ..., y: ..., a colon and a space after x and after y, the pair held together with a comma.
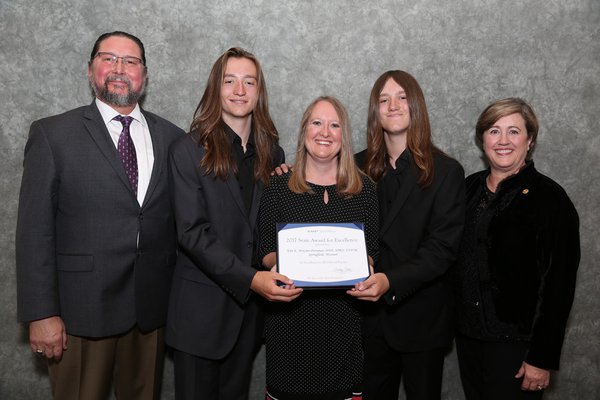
x: 97, y: 130
x: 234, y: 188
x: 409, y: 183
x: 158, y: 148
x: 256, y: 196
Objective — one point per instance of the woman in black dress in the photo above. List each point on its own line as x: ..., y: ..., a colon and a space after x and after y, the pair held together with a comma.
x: 313, y: 345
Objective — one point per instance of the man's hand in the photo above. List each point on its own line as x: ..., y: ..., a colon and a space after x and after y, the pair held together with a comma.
x: 534, y: 378
x: 48, y: 337
x: 372, y: 288
x: 265, y: 284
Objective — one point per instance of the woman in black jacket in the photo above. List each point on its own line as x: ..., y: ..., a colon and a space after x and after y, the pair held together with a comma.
x: 517, y: 265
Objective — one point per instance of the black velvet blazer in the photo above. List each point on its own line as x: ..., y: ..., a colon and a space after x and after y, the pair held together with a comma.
x: 518, y: 264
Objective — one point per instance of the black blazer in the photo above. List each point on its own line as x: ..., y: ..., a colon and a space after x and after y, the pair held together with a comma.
x: 78, y: 227
x: 525, y: 246
x: 419, y: 240
x: 217, y: 240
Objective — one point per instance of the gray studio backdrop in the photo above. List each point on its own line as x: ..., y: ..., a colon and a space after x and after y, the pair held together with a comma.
x: 465, y: 53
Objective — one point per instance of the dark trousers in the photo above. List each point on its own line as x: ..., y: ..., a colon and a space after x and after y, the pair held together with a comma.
x: 385, y: 367
x: 224, y: 379
x: 131, y: 362
x: 488, y: 369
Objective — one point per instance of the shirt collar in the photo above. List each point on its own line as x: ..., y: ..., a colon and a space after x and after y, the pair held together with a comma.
x: 235, y: 139
x: 108, y: 113
x: 402, y: 162
x: 514, y: 182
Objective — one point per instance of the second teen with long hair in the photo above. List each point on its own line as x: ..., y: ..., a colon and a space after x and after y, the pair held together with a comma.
x: 422, y: 200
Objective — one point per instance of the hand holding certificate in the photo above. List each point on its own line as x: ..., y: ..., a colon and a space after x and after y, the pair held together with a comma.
x: 322, y: 255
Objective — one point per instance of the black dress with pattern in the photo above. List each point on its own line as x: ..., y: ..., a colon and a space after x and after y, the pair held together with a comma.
x: 313, y: 344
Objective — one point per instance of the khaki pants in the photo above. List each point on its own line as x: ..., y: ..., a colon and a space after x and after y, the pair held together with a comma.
x: 131, y: 362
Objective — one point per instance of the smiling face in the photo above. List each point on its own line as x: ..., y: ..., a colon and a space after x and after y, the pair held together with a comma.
x: 394, y: 113
x: 239, y: 90
x: 323, y: 137
x: 506, y: 144
x: 118, y: 85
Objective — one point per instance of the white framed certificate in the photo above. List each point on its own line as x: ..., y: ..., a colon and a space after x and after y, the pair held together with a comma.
x: 322, y: 255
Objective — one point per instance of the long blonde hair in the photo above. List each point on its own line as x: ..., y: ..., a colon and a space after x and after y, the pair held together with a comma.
x: 348, y: 180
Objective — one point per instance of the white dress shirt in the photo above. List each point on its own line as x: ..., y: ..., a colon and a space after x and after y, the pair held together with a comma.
x: 140, y: 135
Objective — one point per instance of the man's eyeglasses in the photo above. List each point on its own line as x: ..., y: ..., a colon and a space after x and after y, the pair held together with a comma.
x: 112, y: 59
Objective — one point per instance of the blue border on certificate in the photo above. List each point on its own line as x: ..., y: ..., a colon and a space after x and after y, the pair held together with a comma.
x: 325, y: 284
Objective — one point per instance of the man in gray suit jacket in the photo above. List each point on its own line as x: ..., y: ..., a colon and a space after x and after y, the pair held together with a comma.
x: 95, y: 237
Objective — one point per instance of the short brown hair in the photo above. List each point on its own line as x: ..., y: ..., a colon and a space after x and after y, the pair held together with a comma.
x: 502, y: 108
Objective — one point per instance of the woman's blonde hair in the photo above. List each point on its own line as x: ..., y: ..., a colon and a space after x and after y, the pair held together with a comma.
x: 349, y: 180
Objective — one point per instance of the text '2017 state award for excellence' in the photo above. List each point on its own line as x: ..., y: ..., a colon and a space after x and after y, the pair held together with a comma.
x: 322, y: 255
